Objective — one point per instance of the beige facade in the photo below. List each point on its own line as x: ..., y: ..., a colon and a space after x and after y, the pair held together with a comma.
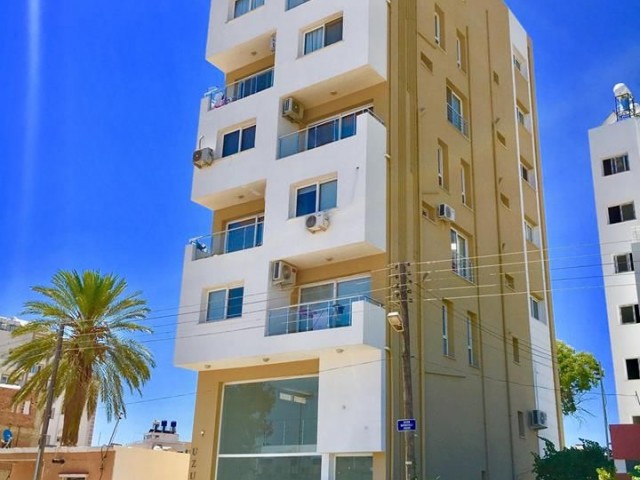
x: 116, y: 463
x: 423, y: 116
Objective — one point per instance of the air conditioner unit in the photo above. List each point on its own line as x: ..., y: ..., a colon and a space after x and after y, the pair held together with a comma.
x: 203, y: 157
x: 446, y: 212
x: 537, y: 419
x: 292, y: 109
x: 272, y: 43
x: 317, y: 222
x: 282, y: 273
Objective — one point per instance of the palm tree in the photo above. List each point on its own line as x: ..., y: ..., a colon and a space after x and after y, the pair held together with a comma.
x: 98, y: 357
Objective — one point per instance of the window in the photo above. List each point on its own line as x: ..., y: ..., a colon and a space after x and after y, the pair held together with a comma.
x: 438, y: 26
x: 465, y: 183
x: 244, y: 234
x: 455, y: 113
x: 461, y: 51
x: 629, y: 314
x: 611, y: 166
x: 472, y: 340
x: 622, y: 213
x: 316, y: 198
x: 523, y: 117
x: 528, y: 174
x: 328, y: 305
x: 460, y: 262
x: 447, y: 329
x: 294, y: 3
x: 531, y: 233
x: 323, y: 36
x: 354, y: 468
x: 521, y: 426
x: 516, y: 350
x: 4, y: 378
x: 35, y: 369
x: 442, y: 163
x: 519, y: 63
x: 633, y: 369
x: 623, y: 263
x: 224, y: 304
x: 535, y: 309
x: 635, y: 420
x: 238, y: 141
x: 269, y: 431
x: 245, y: 6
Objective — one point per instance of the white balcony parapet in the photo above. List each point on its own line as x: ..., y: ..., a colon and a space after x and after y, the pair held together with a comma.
x: 221, y: 96
x: 328, y: 131
x: 231, y: 240
x: 307, y: 317
x: 457, y: 120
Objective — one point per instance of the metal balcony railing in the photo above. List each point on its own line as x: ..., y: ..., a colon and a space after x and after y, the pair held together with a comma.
x: 463, y: 266
x: 307, y: 317
x: 232, y: 240
x: 219, y: 97
x: 328, y: 131
x: 457, y: 120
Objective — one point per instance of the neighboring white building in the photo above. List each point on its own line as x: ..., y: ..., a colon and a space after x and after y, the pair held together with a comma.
x: 615, y: 163
x: 7, y: 342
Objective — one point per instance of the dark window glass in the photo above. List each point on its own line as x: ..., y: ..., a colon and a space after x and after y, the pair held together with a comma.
x: 623, y: 263
x: 628, y: 212
x: 215, y: 305
x: 234, y: 302
x: 333, y: 32
x: 633, y: 369
x: 630, y: 314
x: 230, y: 143
x: 248, y: 138
x: 607, y: 167
x: 354, y: 468
x: 306, y: 200
x: 269, y: 468
x: 348, y: 127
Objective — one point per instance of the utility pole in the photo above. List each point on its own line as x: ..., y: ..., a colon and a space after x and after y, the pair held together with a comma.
x: 407, y: 379
x: 37, y: 473
x: 604, y: 410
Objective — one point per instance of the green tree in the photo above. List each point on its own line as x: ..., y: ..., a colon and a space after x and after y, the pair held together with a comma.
x: 579, y: 373
x: 588, y: 462
x: 98, y: 358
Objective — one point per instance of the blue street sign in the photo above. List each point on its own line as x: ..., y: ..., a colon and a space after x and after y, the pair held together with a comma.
x: 406, y: 425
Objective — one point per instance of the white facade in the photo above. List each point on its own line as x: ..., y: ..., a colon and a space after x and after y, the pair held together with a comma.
x: 539, y: 328
x: 615, y: 187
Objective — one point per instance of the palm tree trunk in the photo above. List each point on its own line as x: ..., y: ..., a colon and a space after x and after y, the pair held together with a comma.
x: 73, y: 410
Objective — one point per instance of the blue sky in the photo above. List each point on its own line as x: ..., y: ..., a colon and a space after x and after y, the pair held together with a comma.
x: 98, y: 116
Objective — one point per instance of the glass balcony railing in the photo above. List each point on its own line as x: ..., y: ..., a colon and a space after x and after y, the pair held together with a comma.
x: 219, y: 97
x: 328, y: 131
x: 306, y: 317
x: 242, y: 7
x: 463, y: 266
x: 231, y: 240
x: 457, y: 120
x: 294, y: 3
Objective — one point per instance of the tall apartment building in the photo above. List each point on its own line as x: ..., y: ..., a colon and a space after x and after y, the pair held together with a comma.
x: 615, y: 164
x: 352, y: 136
x: 25, y: 419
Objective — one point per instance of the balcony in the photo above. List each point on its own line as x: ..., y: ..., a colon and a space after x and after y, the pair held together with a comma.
x: 360, y: 325
x: 328, y: 131
x: 306, y: 317
x: 354, y: 156
x: 219, y: 97
x: 457, y: 120
x: 463, y: 267
x: 231, y: 240
x: 351, y: 62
